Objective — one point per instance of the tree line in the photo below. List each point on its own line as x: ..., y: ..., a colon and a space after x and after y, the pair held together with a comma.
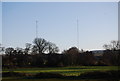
x: 45, y: 54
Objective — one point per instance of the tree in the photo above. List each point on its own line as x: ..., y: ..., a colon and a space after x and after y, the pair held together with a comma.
x: 27, y: 48
x: 2, y: 49
x: 19, y: 50
x: 41, y: 44
x: 72, y: 55
x: 111, y: 54
x: 111, y: 57
x: 34, y: 49
x: 73, y: 50
x: 52, y: 48
x: 114, y: 45
x: 86, y: 58
x: 107, y: 47
x: 9, y: 50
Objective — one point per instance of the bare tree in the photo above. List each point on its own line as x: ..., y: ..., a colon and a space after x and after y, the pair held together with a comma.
x: 9, y: 50
x: 34, y: 49
x: 52, y: 48
x: 19, y: 50
x: 114, y: 45
x: 2, y: 49
x: 27, y: 48
x: 105, y: 46
x: 118, y: 44
x: 41, y: 44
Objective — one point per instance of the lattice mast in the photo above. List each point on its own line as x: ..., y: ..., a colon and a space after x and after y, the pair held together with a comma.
x: 36, y: 29
x: 77, y: 33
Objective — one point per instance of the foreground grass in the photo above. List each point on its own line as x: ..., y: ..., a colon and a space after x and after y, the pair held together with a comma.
x: 67, y: 71
x: 52, y: 80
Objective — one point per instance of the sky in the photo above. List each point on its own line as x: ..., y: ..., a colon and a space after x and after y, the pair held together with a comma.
x: 57, y: 22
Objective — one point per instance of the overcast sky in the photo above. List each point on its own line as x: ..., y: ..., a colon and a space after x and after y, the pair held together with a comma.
x: 57, y: 22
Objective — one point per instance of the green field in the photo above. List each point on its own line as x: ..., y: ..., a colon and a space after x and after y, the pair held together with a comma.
x: 67, y: 71
x: 53, y: 80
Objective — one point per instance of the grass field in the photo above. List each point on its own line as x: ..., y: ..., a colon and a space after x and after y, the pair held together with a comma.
x: 67, y: 71
x: 53, y: 80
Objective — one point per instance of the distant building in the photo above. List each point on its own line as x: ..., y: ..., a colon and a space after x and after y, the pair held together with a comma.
x: 98, y: 52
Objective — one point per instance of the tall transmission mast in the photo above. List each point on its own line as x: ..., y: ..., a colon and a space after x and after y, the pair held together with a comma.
x: 77, y: 33
x: 36, y: 29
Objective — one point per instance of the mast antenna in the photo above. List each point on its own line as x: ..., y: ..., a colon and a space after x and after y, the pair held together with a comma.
x: 36, y: 29
x: 77, y: 33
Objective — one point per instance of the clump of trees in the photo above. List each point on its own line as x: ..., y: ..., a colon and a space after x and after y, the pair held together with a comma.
x: 74, y: 57
x: 112, y: 53
x: 41, y: 46
x: 114, y: 45
x: 45, y: 54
